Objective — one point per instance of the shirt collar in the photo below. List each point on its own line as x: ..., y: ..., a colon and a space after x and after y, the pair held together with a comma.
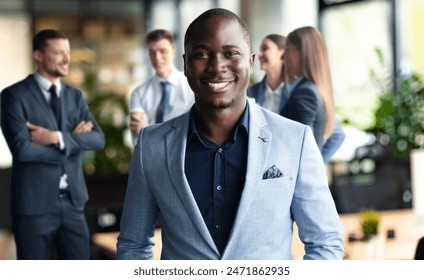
x: 172, y: 79
x: 46, y: 84
x: 192, y: 128
x: 276, y: 91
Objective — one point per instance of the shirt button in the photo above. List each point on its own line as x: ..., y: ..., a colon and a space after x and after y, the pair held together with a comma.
x: 219, y: 188
x: 217, y: 226
x: 219, y: 150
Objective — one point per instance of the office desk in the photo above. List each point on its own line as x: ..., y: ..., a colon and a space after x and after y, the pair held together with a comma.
x: 407, y: 232
x: 402, y: 246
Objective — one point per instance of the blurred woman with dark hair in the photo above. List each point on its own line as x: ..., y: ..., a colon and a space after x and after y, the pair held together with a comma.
x: 270, y: 93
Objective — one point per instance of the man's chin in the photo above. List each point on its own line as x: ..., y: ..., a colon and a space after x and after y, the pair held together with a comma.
x: 221, y: 104
x: 61, y: 74
x: 160, y: 72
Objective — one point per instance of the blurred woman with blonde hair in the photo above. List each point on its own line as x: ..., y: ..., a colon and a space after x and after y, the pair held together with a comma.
x: 311, y: 99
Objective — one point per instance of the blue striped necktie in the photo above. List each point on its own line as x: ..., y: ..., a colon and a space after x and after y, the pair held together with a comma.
x: 164, y: 102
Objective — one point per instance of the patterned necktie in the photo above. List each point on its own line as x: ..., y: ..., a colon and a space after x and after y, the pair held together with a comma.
x: 163, y: 102
x: 55, y: 103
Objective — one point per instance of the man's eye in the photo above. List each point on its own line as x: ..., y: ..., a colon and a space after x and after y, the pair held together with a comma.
x: 231, y: 53
x: 201, y: 54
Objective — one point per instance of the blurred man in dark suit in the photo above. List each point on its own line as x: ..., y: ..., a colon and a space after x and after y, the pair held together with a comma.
x: 48, y: 126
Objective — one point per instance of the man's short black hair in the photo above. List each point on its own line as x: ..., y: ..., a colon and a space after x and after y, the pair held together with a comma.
x: 158, y: 34
x: 39, y: 42
x: 223, y: 13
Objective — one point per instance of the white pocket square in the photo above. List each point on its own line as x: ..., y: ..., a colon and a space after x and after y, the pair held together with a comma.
x: 272, y: 172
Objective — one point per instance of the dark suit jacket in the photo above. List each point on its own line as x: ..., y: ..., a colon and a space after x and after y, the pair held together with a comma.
x: 36, y: 168
x: 257, y: 91
x: 306, y: 106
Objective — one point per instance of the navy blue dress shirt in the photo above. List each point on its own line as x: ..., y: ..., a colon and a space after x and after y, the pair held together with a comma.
x: 216, y: 175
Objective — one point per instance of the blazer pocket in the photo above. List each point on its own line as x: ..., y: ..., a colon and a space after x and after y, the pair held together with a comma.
x: 275, y: 195
x: 281, y: 182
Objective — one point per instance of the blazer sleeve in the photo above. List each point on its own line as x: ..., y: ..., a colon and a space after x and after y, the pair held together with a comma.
x: 333, y: 143
x: 313, y: 207
x: 77, y: 142
x: 17, y: 135
x: 140, y: 213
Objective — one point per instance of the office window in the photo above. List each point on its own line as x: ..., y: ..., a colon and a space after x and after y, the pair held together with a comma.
x: 352, y: 32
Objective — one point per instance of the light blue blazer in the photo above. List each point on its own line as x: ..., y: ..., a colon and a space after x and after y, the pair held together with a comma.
x: 263, y: 226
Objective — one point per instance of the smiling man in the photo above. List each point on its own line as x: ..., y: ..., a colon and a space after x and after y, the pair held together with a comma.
x: 48, y: 126
x: 165, y: 95
x: 228, y: 177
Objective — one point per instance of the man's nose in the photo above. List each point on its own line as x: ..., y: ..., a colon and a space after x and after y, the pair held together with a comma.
x: 217, y: 63
x: 66, y: 58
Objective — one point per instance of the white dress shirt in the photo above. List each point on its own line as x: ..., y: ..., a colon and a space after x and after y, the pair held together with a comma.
x: 146, y: 97
x: 272, y: 98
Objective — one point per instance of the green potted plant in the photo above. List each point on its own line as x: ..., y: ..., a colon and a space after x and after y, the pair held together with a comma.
x: 369, y: 220
x: 399, y: 114
x: 110, y: 111
x: 399, y: 125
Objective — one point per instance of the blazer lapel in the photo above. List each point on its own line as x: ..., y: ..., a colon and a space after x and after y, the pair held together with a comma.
x: 260, y: 139
x: 260, y: 96
x: 176, y: 142
x: 39, y: 97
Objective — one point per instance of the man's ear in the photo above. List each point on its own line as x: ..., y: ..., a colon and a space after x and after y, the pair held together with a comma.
x: 38, y: 55
x: 184, y: 65
x: 252, y: 60
x: 174, y: 51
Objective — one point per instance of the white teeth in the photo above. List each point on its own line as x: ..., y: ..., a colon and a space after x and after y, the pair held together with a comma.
x: 218, y: 86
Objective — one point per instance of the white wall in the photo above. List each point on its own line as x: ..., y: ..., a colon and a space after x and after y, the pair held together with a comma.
x: 16, y: 61
x: 277, y: 16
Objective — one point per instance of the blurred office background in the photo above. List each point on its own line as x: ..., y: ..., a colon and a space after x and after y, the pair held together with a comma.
x: 374, y: 46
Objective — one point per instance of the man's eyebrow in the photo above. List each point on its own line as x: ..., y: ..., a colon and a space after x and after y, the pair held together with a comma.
x: 231, y: 46
x: 157, y: 49
x: 202, y: 46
